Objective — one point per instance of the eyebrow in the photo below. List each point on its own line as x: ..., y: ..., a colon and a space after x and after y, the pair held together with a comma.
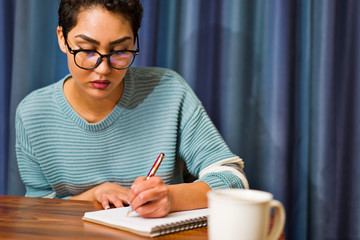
x: 91, y: 40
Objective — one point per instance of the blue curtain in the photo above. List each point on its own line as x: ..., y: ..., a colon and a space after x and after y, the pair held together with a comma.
x: 6, y: 46
x: 279, y: 78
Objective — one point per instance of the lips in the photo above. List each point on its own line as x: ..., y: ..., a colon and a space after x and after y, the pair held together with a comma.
x: 100, y: 84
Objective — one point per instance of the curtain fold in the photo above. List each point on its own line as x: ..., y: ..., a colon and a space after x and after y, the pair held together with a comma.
x: 36, y: 62
x: 280, y: 79
x: 6, y: 47
x: 298, y: 197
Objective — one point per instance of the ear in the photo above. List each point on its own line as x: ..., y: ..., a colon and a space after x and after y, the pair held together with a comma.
x: 61, y: 39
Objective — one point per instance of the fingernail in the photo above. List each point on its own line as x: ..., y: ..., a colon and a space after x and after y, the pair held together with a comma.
x: 129, y: 211
x: 107, y: 207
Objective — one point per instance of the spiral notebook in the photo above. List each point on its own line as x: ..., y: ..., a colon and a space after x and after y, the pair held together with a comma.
x: 173, y: 222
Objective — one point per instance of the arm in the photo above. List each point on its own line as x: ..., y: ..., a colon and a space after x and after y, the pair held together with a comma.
x: 31, y: 174
x: 206, y: 156
x: 188, y: 196
x: 152, y: 198
x: 30, y: 171
x: 37, y: 184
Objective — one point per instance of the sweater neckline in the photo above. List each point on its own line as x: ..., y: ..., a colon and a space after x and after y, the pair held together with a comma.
x: 107, y: 121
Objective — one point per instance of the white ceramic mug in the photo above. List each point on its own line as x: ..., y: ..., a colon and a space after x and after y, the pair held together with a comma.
x: 243, y: 214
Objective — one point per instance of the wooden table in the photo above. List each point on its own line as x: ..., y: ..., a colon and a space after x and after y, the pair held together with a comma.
x: 39, y: 218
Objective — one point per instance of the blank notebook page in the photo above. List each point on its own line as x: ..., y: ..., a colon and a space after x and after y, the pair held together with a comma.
x: 117, y: 218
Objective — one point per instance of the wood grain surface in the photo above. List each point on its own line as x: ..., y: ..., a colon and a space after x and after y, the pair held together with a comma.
x: 40, y: 218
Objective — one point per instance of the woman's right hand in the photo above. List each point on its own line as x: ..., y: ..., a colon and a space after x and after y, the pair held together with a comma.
x: 106, y: 194
x: 111, y: 193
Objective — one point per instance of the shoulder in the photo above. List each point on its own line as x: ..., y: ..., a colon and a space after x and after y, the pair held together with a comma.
x: 156, y: 75
x: 153, y: 72
x: 40, y: 100
x: 165, y: 81
x: 164, y: 89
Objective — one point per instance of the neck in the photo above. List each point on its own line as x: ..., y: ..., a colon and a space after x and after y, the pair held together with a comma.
x: 92, y: 109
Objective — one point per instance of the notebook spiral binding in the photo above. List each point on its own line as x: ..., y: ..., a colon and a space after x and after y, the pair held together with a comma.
x: 181, y: 226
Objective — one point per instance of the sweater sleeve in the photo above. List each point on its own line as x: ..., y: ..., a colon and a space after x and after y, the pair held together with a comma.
x: 35, y: 182
x: 206, y: 154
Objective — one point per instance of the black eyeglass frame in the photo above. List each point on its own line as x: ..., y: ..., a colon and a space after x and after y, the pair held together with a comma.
x: 133, y: 52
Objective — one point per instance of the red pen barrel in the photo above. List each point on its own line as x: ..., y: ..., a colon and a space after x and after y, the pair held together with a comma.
x: 155, y: 166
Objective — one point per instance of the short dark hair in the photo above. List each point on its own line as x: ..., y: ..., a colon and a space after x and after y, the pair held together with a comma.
x: 69, y: 10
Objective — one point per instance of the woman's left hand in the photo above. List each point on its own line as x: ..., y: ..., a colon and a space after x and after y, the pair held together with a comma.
x: 150, y: 198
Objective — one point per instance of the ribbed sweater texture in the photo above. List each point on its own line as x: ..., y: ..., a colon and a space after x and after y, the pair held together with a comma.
x: 59, y: 153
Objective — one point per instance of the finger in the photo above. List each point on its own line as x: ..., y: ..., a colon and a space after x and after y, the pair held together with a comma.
x: 107, y: 199
x: 141, y: 186
x: 131, y: 194
x: 105, y: 204
x: 103, y: 201
x: 149, y: 195
x: 155, y: 209
x: 116, y: 201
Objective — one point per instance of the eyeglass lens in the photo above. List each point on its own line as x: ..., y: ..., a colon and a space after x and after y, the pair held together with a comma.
x: 89, y: 59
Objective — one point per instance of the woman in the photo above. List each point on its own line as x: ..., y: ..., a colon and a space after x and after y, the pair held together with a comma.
x: 92, y: 134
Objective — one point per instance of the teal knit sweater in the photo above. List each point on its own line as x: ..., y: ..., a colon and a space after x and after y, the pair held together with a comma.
x: 60, y: 154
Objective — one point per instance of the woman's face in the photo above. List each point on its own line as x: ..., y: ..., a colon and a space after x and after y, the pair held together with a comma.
x: 103, y: 31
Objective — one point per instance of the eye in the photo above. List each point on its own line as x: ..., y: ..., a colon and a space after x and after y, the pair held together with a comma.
x: 91, y: 53
x: 88, y: 53
x: 122, y: 53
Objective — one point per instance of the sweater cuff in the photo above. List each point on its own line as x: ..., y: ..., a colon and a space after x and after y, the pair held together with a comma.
x: 218, y: 180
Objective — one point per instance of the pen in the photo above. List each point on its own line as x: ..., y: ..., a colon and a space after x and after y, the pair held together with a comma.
x: 152, y: 172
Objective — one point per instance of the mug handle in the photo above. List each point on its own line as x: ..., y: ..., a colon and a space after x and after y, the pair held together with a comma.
x: 279, y: 220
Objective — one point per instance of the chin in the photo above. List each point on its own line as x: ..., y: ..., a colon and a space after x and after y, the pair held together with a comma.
x: 98, y: 94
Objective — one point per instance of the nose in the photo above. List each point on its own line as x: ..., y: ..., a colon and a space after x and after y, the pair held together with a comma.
x: 104, y: 67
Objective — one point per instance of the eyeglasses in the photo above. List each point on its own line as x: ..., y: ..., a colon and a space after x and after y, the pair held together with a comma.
x: 90, y: 59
